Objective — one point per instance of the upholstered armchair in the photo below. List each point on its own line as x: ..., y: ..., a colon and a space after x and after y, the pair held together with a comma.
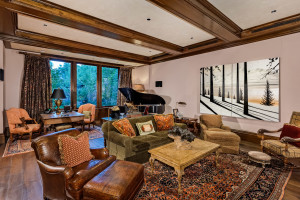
x: 91, y: 118
x: 215, y: 131
x: 284, y: 147
x: 17, y: 127
x: 62, y: 182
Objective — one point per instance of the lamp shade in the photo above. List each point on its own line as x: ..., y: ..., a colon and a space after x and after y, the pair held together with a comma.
x: 139, y: 87
x: 58, y: 94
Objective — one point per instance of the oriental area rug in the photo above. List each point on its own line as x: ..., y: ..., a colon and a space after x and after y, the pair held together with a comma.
x: 23, y: 145
x: 234, y: 178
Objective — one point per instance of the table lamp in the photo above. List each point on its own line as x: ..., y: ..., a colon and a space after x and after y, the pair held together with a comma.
x: 58, y: 94
x: 139, y: 87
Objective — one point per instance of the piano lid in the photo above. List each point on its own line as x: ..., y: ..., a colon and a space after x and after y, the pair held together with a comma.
x: 138, y: 98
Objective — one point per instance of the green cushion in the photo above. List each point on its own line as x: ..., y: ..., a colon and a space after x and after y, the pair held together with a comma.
x: 87, y: 114
x: 140, y: 125
x: 149, y: 140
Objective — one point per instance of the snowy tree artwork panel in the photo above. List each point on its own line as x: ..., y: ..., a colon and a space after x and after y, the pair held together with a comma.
x: 247, y: 90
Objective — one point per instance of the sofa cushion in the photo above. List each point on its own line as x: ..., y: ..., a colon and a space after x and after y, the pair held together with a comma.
x: 74, y: 150
x: 164, y: 122
x: 145, y: 128
x: 162, y: 134
x: 88, y: 170
x: 212, y: 121
x: 124, y: 127
x: 142, y: 119
x: 146, y: 142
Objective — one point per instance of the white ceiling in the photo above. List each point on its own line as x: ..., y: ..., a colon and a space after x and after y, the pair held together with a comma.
x: 36, y: 25
x: 72, y: 55
x: 133, y: 14
x: 250, y: 13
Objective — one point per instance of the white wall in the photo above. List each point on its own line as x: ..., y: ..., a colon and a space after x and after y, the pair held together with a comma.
x: 14, y: 68
x: 1, y: 88
x: 181, y: 78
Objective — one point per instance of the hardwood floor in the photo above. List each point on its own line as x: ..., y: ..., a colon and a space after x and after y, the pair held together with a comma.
x: 20, y: 178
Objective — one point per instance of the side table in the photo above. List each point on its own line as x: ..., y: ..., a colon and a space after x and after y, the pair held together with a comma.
x: 190, y: 122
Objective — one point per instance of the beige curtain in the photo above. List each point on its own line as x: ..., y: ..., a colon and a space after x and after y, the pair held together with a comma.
x: 36, y: 86
x: 125, y: 80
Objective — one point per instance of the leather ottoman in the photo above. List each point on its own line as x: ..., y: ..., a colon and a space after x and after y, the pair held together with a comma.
x: 122, y: 180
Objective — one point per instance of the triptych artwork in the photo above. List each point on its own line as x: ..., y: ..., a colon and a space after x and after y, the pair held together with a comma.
x: 247, y: 90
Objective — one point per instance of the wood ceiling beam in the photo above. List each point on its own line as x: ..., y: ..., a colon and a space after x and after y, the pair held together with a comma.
x: 203, y: 15
x: 281, y: 27
x: 67, y: 17
x: 83, y: 47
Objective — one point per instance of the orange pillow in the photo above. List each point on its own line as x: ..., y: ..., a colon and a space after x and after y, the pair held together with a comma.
x: 74, y: 150
x: 164, y: 122
x: 124, y: 127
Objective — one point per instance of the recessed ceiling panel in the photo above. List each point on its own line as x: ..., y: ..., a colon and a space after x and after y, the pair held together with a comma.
x: 44, y: 27
x: 133, y: 14
x: 250, y: 13
x: 72, y: 55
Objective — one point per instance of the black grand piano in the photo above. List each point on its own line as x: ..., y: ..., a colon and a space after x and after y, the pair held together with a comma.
x: 155, y: 103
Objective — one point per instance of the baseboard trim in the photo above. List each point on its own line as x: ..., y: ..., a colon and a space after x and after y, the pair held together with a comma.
x: 252, y: 137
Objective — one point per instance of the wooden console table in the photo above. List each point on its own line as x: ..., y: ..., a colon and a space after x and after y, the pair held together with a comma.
x: 50, y: 119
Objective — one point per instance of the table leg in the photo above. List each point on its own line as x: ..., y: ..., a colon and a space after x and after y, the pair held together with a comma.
x: 180, y: 173
x: 45, y: 129
x: 151, y: 161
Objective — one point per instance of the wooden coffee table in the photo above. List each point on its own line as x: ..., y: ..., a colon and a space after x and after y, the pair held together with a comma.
x: 180, y: 159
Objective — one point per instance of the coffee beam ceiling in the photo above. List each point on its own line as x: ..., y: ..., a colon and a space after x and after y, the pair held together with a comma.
x: 67, y: 17
x: 203, y: 15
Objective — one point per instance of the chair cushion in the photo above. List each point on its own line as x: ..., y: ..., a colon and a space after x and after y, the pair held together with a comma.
x: 217, y: 129
x: 212, y: 121
x: 74, y: 150
x: 35, y: 127
x: 145, y: 128
x: 87, y: 114
x: 164, y: 122
x: 222, y: 136
x: 87, y: 170
x: 124, y: 127
x: 292, y: 131
x: 279, y: 148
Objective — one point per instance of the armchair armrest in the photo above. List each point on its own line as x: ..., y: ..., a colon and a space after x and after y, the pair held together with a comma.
x: 203, y: 127
x: 181, y: 125
x: 47, y: 168
x: 119, y: 139
x: 289, y: 140
x: 227, y: 128
x: 262, y: 131
x: 100, y: 153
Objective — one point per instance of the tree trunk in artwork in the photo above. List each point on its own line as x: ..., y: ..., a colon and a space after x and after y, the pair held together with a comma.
x: 211, y: 85
x: 246, y: 111
x: 203, y: 86
x: 237, y: 84
x: 223, y: 84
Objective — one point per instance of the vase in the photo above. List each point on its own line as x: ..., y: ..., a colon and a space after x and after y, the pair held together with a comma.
x: 181, y: 144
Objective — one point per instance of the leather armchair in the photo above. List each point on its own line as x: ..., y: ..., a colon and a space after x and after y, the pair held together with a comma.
x: 62, y: 182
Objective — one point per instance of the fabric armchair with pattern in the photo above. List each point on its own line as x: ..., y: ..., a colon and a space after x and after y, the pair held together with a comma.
x: 17, y: 118
x: 89, y: 110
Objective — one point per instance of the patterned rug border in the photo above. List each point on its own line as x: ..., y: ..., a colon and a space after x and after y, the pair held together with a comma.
x: 285, y: 177
x: 13, y: 154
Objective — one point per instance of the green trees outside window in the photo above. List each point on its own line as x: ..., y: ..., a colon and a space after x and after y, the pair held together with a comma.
x: 109, y: 86
x: 86, y: 84
x: 61, y: 78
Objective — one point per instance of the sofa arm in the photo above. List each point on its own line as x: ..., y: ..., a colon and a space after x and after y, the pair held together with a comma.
x: 100, y: 154
x: 66, y: 172
x: 181, y: 125
x: 227, y: 128
x: 203, y: 127
x: 119, y: 139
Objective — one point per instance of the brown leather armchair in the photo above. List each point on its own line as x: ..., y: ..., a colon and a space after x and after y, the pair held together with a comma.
x: 62, y: 182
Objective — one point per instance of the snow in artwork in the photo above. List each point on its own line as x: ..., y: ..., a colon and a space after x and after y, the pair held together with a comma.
x: 247, y: 90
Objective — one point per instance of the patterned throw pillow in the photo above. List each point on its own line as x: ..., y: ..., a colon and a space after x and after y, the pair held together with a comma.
x: 292, y: 131
x: 87, y: 114
x: 74, y: 150
x: 164, y: 122
x: 145, y: 128
x: 124, y: 127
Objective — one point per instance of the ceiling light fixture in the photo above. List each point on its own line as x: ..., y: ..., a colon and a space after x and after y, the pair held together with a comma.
x: 148, y: 19
x: 273, y: 11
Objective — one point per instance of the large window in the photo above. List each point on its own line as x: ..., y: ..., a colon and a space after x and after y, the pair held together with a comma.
x: 86, y: 84
x: 109, y: 86
x: 61, y: 78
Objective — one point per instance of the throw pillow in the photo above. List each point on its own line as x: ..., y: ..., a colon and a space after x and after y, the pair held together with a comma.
x: 87, y: 114
x: 164, y: 122
x: 145, y: 128
x: 74, y: 150
x: 124, y: 127
x: 292, y: 131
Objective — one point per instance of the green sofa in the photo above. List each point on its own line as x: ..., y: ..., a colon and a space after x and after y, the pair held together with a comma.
x: 136, y: 148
